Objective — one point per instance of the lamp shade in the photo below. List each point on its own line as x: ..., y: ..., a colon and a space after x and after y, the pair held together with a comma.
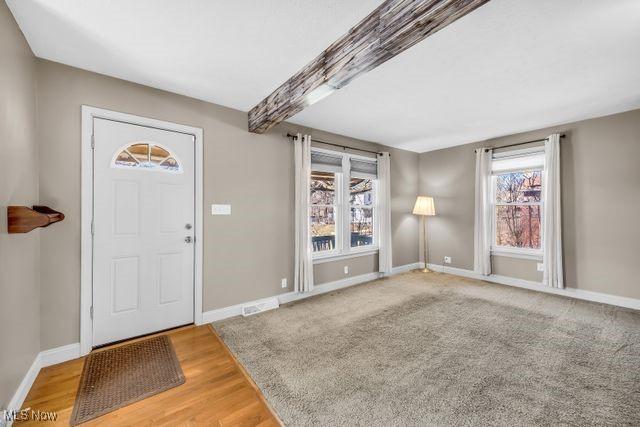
x: 424, y: 206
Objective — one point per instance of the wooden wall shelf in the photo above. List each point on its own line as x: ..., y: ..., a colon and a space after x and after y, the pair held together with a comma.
x: 22, y: 219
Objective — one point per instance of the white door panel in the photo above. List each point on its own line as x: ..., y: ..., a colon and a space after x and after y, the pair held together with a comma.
x: 125, y: 284
x: 143, y: 269
x: 126, y: 208
x: 169, y: 272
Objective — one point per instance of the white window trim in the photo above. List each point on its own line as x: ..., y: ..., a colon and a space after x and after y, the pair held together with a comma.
x: 343, y: 241
x: 522, y: 253
x: 323, y: 258
x: 531, y: 151
x: 508, y: 251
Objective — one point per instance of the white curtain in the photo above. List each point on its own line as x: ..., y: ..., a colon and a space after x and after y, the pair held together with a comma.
x: 482, y: 221
x: 303, y: 274
x: 552, y: 215
x: 384, y: 213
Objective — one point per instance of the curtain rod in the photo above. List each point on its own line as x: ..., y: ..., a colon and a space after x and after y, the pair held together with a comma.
x: 344, y: 147
x: 520, y: 143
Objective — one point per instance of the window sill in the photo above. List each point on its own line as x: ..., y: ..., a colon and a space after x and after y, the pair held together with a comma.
x: 320, y: 259
x: 517, y: 253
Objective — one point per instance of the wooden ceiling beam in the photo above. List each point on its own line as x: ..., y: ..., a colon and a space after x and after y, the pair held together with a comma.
x: 392, y: 28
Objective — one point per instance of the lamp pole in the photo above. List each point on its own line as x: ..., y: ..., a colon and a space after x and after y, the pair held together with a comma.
x: 426, y: 245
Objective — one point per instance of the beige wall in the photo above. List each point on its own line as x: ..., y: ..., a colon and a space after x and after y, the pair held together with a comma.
x: 19, y: 253
x: 330, y: 271
x: 246, y: 254
x: 516, y: 267
x: 600, y: 202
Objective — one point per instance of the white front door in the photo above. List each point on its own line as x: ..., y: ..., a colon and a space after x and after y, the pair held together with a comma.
x: 143, y: 251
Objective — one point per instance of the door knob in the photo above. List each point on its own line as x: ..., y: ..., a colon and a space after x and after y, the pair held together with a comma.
x: 188, y: 226
x: 187, y: 239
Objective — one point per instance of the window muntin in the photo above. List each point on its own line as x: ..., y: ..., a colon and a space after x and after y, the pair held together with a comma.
x: 361, y: 191
x: 361, y: 223
x: 323, y: 209
x: 517, y: 210
x: 125, y: 159
x: 146, y: 156
x: 342, y: 203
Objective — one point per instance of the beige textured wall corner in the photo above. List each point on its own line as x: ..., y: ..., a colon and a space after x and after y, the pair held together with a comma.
x: 600, y: 202
x: 19, y: 253
x: 245, y: 254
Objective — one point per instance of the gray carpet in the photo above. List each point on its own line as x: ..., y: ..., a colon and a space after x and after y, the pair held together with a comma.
x: 443, y: 350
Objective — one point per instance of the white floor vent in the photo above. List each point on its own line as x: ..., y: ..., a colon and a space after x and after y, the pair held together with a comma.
x: 259, y: 307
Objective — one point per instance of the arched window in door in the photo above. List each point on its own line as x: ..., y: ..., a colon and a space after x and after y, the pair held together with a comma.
x: 147, y: 156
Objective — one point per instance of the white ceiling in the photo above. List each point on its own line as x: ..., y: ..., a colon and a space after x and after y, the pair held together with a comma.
x: 230, y: 52
x: 510, y: 66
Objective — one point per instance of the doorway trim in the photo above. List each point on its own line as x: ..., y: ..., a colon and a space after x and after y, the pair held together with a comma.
x: 86, y: 237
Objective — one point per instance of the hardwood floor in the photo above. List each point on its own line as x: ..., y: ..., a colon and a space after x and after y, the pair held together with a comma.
x: 217, y: 391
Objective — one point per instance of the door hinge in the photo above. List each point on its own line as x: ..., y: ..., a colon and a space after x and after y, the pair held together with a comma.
x: 91, y: 311
x: 93, y: 141
x: 93, y: 228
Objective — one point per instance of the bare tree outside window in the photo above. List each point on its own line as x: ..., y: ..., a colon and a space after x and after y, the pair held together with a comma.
x: 518, y: 208
x: 323, y: 210
x: 361, y: 200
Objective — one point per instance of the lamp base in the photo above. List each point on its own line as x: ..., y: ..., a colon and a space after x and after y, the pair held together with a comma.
x: 422, y: 270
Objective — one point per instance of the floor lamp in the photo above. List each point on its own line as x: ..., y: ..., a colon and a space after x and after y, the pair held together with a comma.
x: 424, y: 207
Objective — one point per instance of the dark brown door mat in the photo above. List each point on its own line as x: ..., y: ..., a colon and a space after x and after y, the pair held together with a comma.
x: 122, y: 375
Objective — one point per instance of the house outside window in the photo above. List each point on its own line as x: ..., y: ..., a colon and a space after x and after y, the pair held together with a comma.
x: 343, y: 205
x: 362, y: 212
x: 324, y: 199
x: 517, y: 180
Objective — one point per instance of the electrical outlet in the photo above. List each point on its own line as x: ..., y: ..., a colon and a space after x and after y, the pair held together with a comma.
x: 283, y: 282
x: 540, y: 266
x: 447, y: 260
x: 346, y: 269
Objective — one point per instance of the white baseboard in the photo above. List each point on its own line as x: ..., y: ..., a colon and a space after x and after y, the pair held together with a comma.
x: 328, y: 287
x: 43, y: 359
x: 236, y: 310
x: 231, y: 311
x: 15, y: 404
x: 539, y: 287
x: 60, y: 354
x: 407, y: 267
x: 455, y: 271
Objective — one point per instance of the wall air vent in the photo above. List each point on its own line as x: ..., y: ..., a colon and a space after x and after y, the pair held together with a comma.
x: 260, y: 306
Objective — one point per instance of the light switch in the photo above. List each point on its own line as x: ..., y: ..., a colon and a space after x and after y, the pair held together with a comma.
x: 220, y: 209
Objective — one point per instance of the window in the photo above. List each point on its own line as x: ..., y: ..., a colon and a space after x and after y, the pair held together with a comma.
x: 517, y: 202
x: 342, y: 210
x: 323, y: 211
x: 361, y: 204
x: 146, y: 156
